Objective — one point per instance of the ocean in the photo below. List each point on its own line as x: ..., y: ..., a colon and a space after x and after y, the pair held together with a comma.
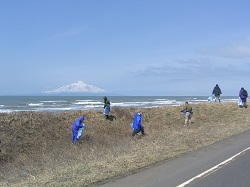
x: 72, y: 103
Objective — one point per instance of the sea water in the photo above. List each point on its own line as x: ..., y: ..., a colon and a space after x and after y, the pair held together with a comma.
x: 73, y: 103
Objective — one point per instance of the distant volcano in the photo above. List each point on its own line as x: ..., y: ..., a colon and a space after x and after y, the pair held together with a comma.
x: 75, y: 88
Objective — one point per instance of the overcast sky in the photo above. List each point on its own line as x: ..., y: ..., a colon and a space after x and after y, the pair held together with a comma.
x: 129, y: 47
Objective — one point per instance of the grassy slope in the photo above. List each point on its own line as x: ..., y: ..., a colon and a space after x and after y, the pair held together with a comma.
x: 36, y: 149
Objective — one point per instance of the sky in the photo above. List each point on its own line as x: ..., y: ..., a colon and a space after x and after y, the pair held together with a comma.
x: 128, y: 47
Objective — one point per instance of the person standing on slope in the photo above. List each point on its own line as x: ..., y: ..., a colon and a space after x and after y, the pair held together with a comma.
x: 243, y: 95
x: 106, y: 107
x: 217, y: 92
x: 188, y: 113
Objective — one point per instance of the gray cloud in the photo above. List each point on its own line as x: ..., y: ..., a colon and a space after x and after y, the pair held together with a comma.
x: 234, y: 50
x: 193, y: 69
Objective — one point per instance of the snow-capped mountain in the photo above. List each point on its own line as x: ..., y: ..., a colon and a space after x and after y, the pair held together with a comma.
x: 76, y: 88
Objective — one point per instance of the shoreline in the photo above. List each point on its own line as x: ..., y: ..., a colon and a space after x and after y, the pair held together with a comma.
x: 64, y: 104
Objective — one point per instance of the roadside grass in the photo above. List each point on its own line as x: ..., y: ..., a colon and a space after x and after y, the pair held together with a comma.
x: 36, y: 148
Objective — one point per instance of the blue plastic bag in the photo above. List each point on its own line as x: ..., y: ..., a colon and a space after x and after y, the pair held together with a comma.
x: 210, y: 98
x: 184, y: 112
x: 80, y: 131
x: 131, y: 125
x: 106, y: 110
x: 240, y: 104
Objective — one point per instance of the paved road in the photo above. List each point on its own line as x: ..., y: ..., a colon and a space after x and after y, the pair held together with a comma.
x: 235, y: 172
x: 177, y: 171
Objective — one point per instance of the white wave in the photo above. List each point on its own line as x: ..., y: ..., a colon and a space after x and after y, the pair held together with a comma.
x: 5, y: 111
x: 87, y: 103
x: 59, y: 101
x: 35, y: 104
x: 10, y: 110
x: 164, y: 102
x: 93, y: 106
x: 145, y: 103
x: 55, y: 109
x: 127, y: 104
x: 195, y: 101
x: 84, y: 100
x: 230, y: 100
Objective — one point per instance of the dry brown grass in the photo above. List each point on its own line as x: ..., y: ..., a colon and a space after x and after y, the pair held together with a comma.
x: 36, y: 148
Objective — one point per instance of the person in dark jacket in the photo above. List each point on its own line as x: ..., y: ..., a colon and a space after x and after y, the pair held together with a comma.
x: 137, y: 126
x: 106, y: 107
x: 243, y: 95
x: 77, y: 129
x: 217, y: 92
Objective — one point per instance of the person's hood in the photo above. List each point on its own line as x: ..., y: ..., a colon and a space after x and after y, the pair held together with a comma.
x: 81, y: 118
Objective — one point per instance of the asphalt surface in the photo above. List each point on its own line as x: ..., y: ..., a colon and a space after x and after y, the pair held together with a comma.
x: 232, y: 174
x: 178, y: 171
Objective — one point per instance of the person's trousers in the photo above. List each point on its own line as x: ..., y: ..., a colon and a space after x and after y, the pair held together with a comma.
x: 74, y: 136
x: 188, y: 117
x: 244, y: 102
x: 135, y: 131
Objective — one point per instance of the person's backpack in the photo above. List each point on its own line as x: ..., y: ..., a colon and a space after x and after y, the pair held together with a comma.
x: 244, y: 93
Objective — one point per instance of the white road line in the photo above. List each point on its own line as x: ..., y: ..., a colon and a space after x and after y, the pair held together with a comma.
x: 213, y: 169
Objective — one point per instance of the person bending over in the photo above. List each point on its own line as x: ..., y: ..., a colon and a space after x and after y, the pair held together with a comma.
x: 137, y: 126
x: 77, y: 129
